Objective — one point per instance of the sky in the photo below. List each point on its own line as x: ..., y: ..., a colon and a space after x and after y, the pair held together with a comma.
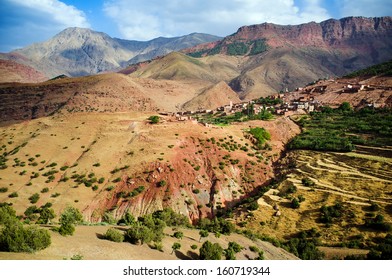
x: 23, y: 22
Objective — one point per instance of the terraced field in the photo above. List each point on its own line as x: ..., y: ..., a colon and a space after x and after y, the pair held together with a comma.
x: 359, y: 182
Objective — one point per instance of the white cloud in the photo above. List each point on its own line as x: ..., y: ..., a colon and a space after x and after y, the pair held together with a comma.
x: 144, y: 20
x: 56, y: 11
x: 368, y: 8
x: 23, y: 22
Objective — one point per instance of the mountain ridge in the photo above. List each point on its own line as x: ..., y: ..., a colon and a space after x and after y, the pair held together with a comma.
x: 81, y: 51
x: 279, y: 57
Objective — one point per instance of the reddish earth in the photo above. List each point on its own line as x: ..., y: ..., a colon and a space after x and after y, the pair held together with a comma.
x: 199, y: 176
x: 13, y: 72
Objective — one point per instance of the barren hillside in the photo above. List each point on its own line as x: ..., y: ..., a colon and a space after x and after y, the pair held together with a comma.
x: 183, y: 165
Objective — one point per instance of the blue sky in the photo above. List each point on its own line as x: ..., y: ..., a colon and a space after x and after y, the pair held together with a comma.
x: 23, y: 22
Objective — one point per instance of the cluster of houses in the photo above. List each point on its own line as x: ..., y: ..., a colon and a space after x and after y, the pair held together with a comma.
x: 305, y: 103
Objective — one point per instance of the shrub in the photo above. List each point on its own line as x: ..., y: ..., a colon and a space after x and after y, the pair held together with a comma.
x: 44, y: 190
x: 3, y: 190
x: 70, y: 217
x: 235, y: 247
x: 154, y: 119
x: 378, y: 223
x: 139, y: 233
x: 193, y: 246
x: 162, y: 183
x: 46, y: 214
x: 171, y: 218
x: 127, y: 219
x: 203, y: 233
x: 176, y: 246
x: 253, y: 206
x: 118, y: 179
x: 209, y: 251
x: 295, y: 203
x: 13, y: 194
x: 7, y: 214
x: 230, y: 254
x: 178, y: 234
x: 34, y: 198
x: 114, y: 235
x: 17, y: 238
x: 328, y: 213
x: 307, y: 182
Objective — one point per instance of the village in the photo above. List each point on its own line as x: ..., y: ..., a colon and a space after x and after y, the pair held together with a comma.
x: 300, y: 101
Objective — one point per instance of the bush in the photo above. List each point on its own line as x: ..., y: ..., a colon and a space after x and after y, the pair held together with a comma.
x: 127, y: 219
x: 44, y: 190
x: 217, y: 225
x: 13, y: 194
x: 328, y: 213
x: 235, y: 246
x: 114, y: 235
x: 171, y: 218
x: 176, y: 246
x: 307, y: 182
x: 209, y: 251
x: 139, y: 233
x: 229, y: 254
x: 7, y: 214
x: 178, y: 234
x: 378, y: 223
x: 68, y: 219
x: 34, y: 198
x: 162, y: 183
x: 305, y: 247
x: 295, y: 203
x: 253, y: 206
x: 17, y: 238
x: 154, y: 119
x: 46, y: 214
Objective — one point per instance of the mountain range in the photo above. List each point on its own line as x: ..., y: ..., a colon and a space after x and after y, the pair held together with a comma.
x: 256, y: 61
x: 82, y: 51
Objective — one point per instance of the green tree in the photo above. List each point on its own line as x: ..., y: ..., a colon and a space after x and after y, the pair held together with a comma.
x: 45, y: 215
x: 154, y: 119
x: 70, y: 217
x: 295, y: 203
x: 209, y: 251
x: 229, y: 254
x: 17, y: 238
x: 176, y: 246
x: 178, y: 234
x: 235, y: 247
x: 127, y: 219
x: 203, y: 233
x: 139, y: 233
x: 7, y: 214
